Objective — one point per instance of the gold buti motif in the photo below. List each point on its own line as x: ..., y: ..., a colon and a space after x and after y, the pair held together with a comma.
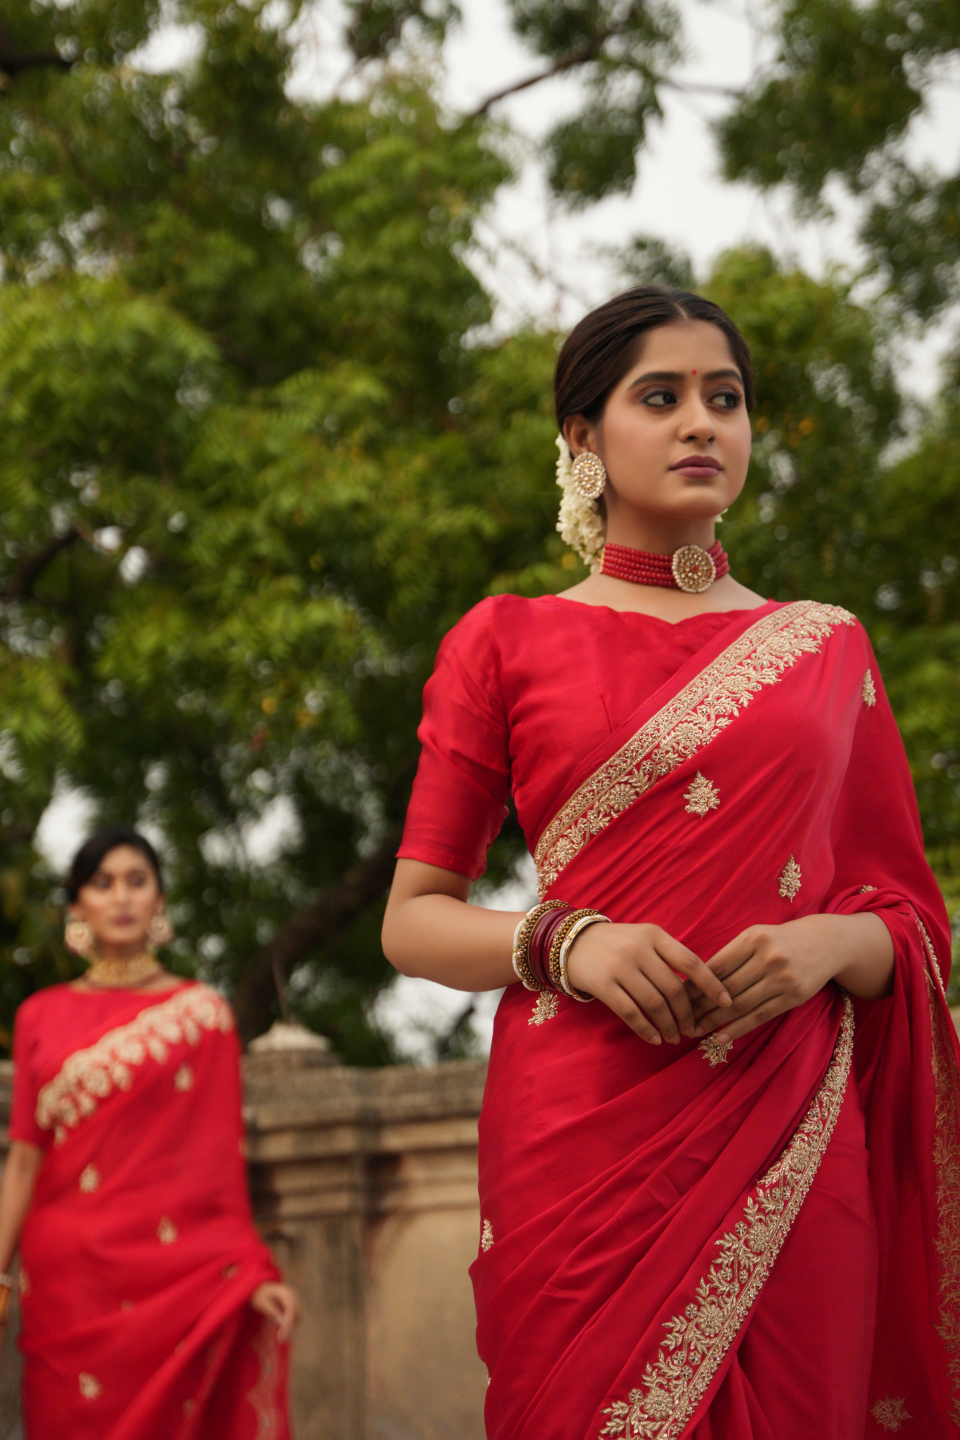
x: 693, y: 569
x: 890, y: 1413
x: 715, y: 1050
x: 167, y: 1232
x: 486, y: 1237
x: 789, y: 882
x: 183, y: 1080
x: 90, y: 1386
x: 869, y: 690
x: 90, y: 1180
x: 548, y: 1003
x: 702, y: 796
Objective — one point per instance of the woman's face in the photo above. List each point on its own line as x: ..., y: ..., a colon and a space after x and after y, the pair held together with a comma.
x: 680, y: 403
x: 120, y: 900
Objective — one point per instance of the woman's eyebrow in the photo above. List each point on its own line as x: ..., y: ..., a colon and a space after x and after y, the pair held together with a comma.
x: 676, y: 377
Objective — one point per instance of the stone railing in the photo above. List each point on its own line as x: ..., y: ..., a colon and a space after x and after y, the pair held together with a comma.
x: 364, y: 1183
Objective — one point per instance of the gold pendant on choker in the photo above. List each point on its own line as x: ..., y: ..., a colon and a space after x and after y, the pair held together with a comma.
x: 693, y: 569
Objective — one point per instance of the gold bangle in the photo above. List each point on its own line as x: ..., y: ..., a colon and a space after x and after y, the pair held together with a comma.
x: 553, y: 960
x: 565, y: 986
x: 521, y: 941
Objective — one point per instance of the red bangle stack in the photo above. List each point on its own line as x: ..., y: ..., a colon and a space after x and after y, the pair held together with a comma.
x: 541, y: 942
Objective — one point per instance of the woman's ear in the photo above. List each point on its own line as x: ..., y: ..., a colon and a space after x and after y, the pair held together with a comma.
x: 579, y: 435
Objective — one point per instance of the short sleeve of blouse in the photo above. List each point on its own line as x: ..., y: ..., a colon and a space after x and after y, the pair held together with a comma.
x: 463, y: 780
x: 23, y: 1110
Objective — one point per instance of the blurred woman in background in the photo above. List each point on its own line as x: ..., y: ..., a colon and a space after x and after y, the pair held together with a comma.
x: 150, y: 1308
x: 724, y: 1201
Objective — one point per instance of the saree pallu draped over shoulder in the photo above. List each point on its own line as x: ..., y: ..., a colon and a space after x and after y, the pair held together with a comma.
x: 747, y: 1241
x: 138, y: 1256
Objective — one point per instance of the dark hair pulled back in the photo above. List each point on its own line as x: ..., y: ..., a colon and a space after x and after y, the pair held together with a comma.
x: 90, y: 856
x: 601, y: 349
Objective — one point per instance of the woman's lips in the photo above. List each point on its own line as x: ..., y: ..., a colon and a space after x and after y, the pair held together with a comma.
x: 698, y: 466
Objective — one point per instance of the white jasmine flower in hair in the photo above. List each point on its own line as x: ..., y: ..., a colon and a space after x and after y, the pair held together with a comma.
x: 580, y: 523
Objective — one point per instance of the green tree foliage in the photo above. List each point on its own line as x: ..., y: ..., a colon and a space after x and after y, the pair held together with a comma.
x: 838, y: 103
x: 256, y: 457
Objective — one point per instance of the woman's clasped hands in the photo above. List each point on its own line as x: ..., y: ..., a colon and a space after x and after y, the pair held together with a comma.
x: 663, y: 991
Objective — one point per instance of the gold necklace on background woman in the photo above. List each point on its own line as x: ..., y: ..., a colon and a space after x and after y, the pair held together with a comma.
x: 124, y: 972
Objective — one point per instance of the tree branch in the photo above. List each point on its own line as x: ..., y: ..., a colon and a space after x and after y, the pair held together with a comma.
x: 583, y: 56
x: 357, y: 888
x: 28, y: 571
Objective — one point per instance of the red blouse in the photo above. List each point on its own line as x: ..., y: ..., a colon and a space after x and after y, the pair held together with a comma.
x: 521, y: 692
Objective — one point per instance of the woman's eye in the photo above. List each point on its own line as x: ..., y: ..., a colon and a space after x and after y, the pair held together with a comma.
x: 660, y: 399
x: 727, y: 399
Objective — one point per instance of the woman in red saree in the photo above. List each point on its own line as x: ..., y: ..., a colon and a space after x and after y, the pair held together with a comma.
x: 150, y: 1308
x: 747, y: 1228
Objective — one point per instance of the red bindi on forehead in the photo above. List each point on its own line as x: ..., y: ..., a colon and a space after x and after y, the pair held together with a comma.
x: 693, y: 372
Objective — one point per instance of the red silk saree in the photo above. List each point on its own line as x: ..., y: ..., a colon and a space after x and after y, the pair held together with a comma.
x: 757, y: 1241
x: 138, y: 1255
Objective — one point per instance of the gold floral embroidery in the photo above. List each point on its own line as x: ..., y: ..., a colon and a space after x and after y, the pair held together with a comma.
x: 548, y: 1003
x: 704, y: 708
x: 486, y: 1236
x: 263, y: 1396
x: 89, y: 1076
x: 167, y: 1232
x: 869, y: 689
x: 696, y: 1341
x: 183, y: 1080
x: 715, y: 1050
x: 90, y: 1180
x: 23, y: 1281
x: 888, y: 1413
x: 865, y: 889
x: 946, y: 1162
x: 789, y: 880
x: 702, y: 796
x: 90, y: 1386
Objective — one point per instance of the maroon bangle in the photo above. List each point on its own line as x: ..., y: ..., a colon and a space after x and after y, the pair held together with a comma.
x: 538, y: 951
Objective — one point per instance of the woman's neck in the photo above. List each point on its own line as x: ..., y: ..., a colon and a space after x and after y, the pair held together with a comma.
x: 661, y: 535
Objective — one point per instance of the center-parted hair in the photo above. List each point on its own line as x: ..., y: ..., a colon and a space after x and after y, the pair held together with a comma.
x: 601, y: 349
x: 92, y: 853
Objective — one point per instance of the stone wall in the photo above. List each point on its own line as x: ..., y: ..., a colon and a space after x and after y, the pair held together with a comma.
x: 364, y: 1183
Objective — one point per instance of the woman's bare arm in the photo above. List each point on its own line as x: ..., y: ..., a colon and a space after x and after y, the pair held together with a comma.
x: 430, y: 931
x: 16, y: 1192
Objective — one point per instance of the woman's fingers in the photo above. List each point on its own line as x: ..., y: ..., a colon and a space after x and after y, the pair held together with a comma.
x: 622, y: 1003
x: 762, y: 993
x: 679, y: 958
x: 741, y: 981
x: 661, y: 994
x: 288, y: 1315
x: 765, y: 1010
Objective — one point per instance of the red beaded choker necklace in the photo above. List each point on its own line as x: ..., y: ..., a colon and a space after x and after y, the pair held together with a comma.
x: 691, y: 568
